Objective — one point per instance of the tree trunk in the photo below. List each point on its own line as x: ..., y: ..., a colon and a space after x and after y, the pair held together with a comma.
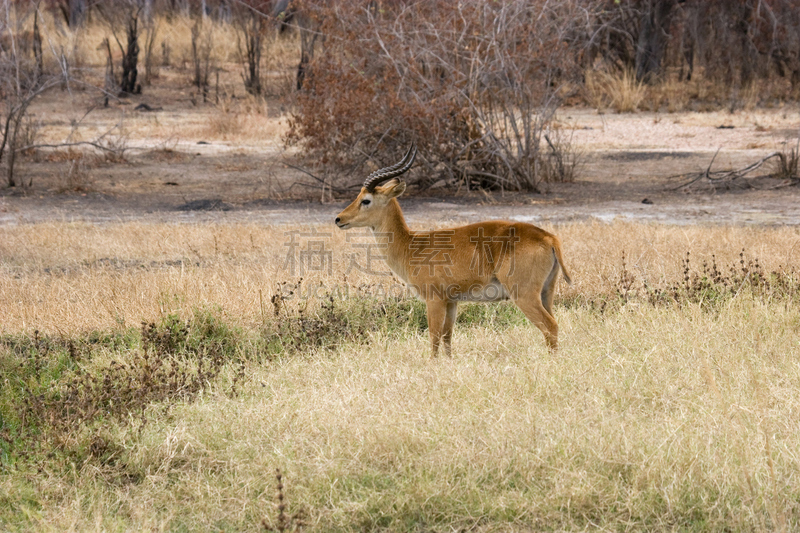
x: 653, y: 34
x: 252, y: 27
x: 131, y: 57
x: 308, y: 39
x: 77, y: 13
x: 749, y: 58
x: 37, y: 47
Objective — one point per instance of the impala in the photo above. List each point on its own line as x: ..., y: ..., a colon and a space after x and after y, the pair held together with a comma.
x: 485, y: 262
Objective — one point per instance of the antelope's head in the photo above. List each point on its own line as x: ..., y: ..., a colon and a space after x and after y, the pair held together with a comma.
x: 379, y: 189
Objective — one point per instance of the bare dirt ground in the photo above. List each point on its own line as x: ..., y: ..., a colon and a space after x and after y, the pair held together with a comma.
x: 193, y: 162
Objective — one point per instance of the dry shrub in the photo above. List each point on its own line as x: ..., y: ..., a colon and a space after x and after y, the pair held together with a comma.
x: 475, y: 96
x: 77, y: 177
x: 562, y: 161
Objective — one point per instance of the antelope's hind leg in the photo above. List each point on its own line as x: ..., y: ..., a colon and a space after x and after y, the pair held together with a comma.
x: 540, y: 317
x: 549, y: 288
x: 531, y: 286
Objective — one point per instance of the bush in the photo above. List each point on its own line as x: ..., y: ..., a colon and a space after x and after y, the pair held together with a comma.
x: 475, y: 85
x: 61, y: 390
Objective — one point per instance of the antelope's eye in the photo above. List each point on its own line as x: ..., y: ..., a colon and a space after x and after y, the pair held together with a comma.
x: 365, y: 202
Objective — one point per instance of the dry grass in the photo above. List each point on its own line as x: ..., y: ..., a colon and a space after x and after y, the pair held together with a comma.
x: 228, y: 114
x: 82, y: 47
x: 245, y: 119
x: 672, y: 95
x: 78, y: 277
x: 650, y: 418
x: 647, y: 420
x: 619, y: 91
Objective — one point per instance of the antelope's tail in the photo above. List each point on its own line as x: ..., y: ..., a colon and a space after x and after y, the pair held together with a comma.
x: 560, y: 260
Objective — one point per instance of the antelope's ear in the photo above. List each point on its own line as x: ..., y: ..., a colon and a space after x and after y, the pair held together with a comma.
x: 393, y: 188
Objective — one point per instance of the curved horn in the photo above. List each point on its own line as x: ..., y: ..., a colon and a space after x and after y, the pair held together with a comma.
x: 379, y: 176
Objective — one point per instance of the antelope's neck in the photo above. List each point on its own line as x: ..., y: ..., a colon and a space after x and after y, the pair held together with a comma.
x: 393, y: 233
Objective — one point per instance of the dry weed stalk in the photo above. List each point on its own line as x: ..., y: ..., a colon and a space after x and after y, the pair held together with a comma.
x: 284, y: 522
x: 711, y: 286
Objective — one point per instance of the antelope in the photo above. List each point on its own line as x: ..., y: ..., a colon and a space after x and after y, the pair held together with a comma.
x: 484, y: 262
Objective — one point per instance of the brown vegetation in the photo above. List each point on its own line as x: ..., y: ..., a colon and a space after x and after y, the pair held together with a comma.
x: 476, y: 85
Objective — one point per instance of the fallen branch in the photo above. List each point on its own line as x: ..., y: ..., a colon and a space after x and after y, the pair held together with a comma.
x: 729, y: 178
x: 69, y: 145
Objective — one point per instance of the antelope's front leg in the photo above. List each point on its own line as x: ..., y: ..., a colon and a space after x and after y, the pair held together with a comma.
x: 437, y: 313
x: 449, y: 322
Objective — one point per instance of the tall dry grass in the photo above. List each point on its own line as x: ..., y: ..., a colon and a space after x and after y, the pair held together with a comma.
x: 70, y: 277
x: 173, y: 43
x: 620, y: 91
x: 675, y: 417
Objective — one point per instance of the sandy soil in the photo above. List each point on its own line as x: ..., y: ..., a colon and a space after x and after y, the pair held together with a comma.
x: 193, y: 163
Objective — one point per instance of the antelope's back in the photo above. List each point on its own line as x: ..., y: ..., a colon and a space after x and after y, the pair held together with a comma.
x: 498, y: 239
x: 479, y: 251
